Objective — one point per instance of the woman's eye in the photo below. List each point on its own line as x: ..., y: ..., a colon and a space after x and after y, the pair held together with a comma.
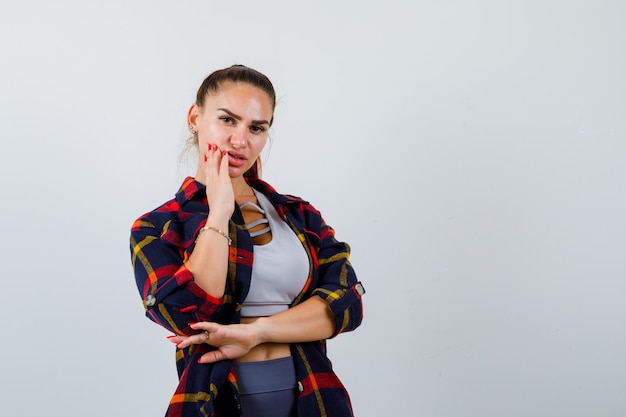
x: 226, y: 119
x: 257, y: 129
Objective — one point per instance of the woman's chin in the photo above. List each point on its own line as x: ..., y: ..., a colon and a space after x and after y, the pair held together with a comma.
x: 235, y: 172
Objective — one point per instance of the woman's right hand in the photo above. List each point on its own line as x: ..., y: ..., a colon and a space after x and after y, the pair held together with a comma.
x: 208, y: 262
x: 219, y: 188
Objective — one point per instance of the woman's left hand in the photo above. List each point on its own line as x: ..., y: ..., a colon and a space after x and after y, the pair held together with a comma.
x: 232, y: 341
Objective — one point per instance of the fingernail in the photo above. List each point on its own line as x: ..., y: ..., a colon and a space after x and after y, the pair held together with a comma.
x: 199, y: 361
x: 171, y: 337
x: 204, y: 158
x: 225, y: 153
x: 208, y: 146
x: 177, y: 344
x: 191, y: 323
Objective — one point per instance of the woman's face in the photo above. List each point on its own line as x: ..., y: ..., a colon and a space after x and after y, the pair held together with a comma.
x: 236, y: 119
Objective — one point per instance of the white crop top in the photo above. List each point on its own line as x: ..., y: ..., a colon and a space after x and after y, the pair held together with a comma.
x: 279, y: 270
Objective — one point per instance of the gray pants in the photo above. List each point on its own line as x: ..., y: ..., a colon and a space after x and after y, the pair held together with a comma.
x: 267, y: 388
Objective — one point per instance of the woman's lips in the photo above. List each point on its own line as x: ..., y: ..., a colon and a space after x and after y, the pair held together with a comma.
x: 236, y: 159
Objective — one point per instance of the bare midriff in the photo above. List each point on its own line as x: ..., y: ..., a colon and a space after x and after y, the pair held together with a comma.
x: 264, y: 351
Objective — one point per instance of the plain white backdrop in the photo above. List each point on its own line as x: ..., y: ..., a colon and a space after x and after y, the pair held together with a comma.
x: 472, y: 153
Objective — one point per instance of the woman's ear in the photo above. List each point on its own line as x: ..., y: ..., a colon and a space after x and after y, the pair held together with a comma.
x: 192, y: 116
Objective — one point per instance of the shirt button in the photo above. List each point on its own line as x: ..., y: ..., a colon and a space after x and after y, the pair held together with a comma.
x: 359, y: 289
x: 150, y: 300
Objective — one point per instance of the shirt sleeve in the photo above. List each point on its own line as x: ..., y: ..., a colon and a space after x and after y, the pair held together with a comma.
x: 170, y: 296
x: 337, y: 283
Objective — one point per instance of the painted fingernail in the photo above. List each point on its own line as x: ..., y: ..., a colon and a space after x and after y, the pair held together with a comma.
x: 204, y: 158
x: 224, y: 153
x: 171, y: 337
x: 191, y: 323
x: 208, y: 146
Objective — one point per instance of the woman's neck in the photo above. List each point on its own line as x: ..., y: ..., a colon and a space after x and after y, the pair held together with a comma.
x: 241, y: 189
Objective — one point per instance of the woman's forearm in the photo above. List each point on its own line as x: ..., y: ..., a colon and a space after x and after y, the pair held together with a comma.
x: 307, y: 322
x: 208, y: 262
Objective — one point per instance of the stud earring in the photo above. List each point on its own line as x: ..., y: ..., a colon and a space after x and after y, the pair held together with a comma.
x: 191, y: 129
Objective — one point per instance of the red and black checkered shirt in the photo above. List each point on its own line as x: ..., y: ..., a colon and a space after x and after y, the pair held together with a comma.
x: 163, y: 239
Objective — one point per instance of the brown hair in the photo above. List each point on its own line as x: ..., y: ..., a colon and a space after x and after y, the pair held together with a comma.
x: 237, y: 74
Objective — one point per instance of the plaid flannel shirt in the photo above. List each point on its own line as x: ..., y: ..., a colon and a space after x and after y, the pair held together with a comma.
x: 162, y: 240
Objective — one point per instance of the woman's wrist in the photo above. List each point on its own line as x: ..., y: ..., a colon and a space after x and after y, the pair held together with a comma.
x: 261, y: 327
x: 215, y: 230
x: 217, y: 219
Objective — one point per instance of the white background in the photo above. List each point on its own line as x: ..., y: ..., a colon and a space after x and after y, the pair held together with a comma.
x: 472, y: 153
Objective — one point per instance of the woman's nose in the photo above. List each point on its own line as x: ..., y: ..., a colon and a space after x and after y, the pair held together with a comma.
x: 239, y: 138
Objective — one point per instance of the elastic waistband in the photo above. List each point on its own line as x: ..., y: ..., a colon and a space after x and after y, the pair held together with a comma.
x: 266, y: 376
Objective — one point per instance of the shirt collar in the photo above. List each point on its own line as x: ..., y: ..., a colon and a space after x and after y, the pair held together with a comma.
x: 193, y: 190
x: 274, y: 196
x: 189, y: 190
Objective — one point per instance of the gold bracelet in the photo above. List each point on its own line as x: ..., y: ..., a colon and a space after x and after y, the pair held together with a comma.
x: 215, y: 230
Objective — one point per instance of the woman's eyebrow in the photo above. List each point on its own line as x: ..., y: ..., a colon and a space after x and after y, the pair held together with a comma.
x: 237, y: 117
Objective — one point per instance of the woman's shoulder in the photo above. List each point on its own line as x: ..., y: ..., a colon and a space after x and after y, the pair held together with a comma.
x: 182, y: 206
x: 172, y: 223
x: 178, y: 209
x: 299, y: 210
x: 159, y: 216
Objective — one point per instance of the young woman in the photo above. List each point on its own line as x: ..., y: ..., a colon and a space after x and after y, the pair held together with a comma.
x: 250, y: 282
